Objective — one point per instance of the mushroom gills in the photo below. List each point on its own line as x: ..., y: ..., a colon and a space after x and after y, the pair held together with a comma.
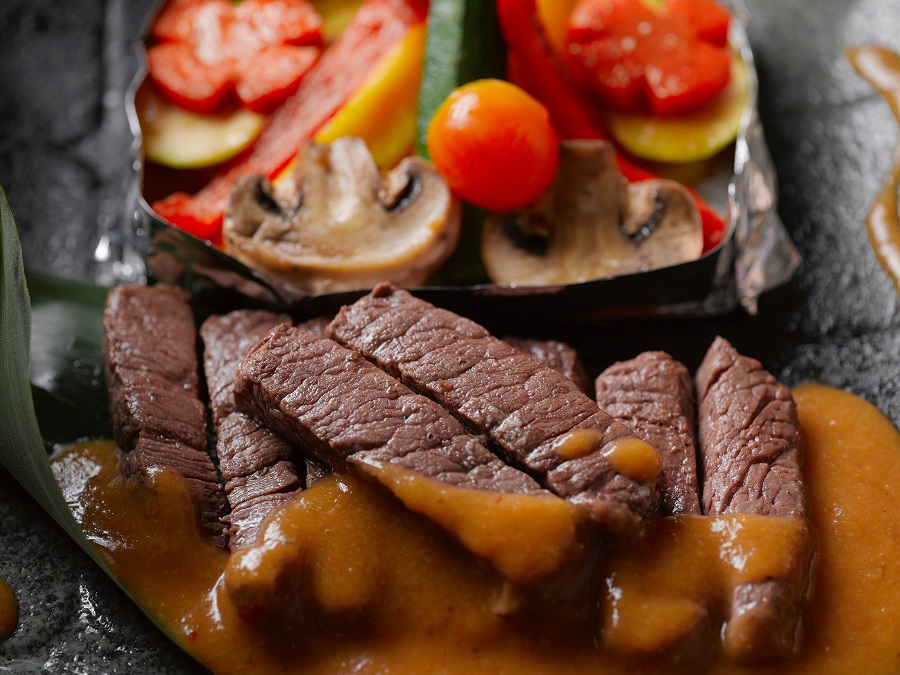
x: 591, y: 224
x: 339, y: 224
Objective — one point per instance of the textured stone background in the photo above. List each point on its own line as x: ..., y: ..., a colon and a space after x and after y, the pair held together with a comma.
x: 65, y: 162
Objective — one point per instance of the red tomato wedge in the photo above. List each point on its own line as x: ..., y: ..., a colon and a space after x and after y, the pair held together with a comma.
x: 268, y: 77
x: 277, y: 21
x: 210, y: 48
x: 633, y: 57
x: 377, y: 28
x: 178, y: 20
x: 187, y: 81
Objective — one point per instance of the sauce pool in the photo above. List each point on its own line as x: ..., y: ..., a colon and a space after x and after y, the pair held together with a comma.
x: 344, y: 579
x: 880, y: 67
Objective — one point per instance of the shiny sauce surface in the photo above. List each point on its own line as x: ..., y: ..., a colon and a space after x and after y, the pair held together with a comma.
x: 880, y: 67
x: 345, y: 579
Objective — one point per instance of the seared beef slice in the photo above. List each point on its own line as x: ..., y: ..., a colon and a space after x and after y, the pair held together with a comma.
x: 348, y: 413
x: 653, y: 394
x: 256, y: 464
x: 151, y: 371
x: 556, y: 355
x: 750, y: 444
x: 526, y: 410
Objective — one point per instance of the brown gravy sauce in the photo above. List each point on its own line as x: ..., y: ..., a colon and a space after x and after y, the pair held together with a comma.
x: 9, y: 611
x: 344, y: 579
x: 880, y: 67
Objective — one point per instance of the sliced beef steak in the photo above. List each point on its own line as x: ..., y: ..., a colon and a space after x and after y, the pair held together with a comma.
x: 257, y: 465
x: 527, y: 411
x: 653, y: 394
x: 152, y: 374
x: 226, y: 340
x: 316, y: 326
x: 556, y: 355
x: 749, y: 440
x: 351, y: 414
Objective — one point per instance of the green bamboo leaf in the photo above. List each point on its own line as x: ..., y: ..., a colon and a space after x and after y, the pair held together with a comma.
x: 22, y: 450
x: 55, y: 337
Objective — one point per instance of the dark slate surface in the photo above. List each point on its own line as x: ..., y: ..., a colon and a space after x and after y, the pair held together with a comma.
x: 64, y: 159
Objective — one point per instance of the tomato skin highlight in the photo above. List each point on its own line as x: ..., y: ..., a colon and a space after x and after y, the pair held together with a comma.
x: 494, y: 144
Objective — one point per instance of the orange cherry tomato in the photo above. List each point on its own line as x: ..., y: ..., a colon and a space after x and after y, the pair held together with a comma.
x: 494, y: 144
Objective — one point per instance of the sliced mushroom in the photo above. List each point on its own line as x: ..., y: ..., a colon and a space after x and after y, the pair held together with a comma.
x: 591, y: 224
x: 339, y: 224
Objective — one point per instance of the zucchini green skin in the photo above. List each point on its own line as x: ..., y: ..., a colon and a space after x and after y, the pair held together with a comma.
x: 463, y: 44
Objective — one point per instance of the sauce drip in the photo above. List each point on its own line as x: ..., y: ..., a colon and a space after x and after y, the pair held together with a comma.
x: 9, y: 611
x: 880, y: 67
x: 343, y: 578
x: 633, y: 458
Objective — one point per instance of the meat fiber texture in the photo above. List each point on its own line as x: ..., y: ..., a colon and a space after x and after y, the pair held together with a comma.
x: 347, y: 412
x: 152, y: 374
x: 653, y: 394
x: 750, y: 445
x: 257, y: 465
x: 749, y: 437
x: 556, y: 355
x: 520, y: 406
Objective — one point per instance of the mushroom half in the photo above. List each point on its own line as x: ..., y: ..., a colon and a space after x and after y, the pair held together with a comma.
x: 590, y: 224
x: 338, y: 224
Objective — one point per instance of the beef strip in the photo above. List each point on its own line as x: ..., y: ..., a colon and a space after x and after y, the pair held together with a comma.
x: 152, y: 374
x: 257, y: 465
x: 351, y: 414
x: 653, y: 394
x: 316, y: 470
x: 556, y: 355
x: 749, y: 439
x: 316, y: 326
x: 525, y: 409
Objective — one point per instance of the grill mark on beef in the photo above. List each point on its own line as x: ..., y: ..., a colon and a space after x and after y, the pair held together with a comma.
x: 749, y: 439
x: 556, y: 355
x: 653, y: 395
x: 256, y: 464
x: 494, y: 389
x: 152, y: 374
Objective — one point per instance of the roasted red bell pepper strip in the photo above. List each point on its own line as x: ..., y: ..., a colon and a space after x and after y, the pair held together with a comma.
x: 535, y: 66
x: 377, y: 28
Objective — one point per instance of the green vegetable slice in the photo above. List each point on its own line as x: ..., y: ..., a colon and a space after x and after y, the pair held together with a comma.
x: 181, y: 139
x: 463, y: 44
